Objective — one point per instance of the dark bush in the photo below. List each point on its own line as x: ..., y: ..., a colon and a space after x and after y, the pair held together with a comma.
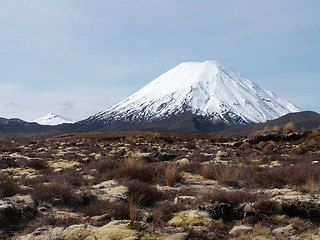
x: 7, y: 162
x: 118, y: 210
x: 193, y: 167
x: 8, y: 186
x: 56, y: 221
x: 37, y: 164
x: 73, y: 177
x: 104, y: 165
x: 95, y: 208
x: 163, y: 211
x: 279, y: 177
x: 57, y: 193
x: 232, y: 197
x: 142, y: 193
x: 144, y: 173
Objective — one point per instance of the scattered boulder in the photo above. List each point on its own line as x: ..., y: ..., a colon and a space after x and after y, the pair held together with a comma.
x: 287, y: 230
x: 177, y: 236
x: 238, y: 230
x: 184, y: 200
x: 165, y: 156
x: 115, y: 230
x: 110, y: 190
x: 183, y: 161
x: 222, y: 154
x: 191, y: 218
x: 225, y: 211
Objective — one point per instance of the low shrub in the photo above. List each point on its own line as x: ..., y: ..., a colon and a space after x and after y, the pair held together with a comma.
x: 8, y: 162
x: 144, y: 194
x: 37, y: 164
x: 114, y: 210
x: 104, y: 165
x: 279, y: 177
x: 266, y: 206
x: 118, y: 210
x: 95, y: 208
x: 234, y: 197
x: 8, y: 186
x: 207, y: 172
x: 289, y: 128
x: 73, y: 177
x: 192, y: 167
x: 227, y: 174
x: 56, y: 221
x: 163, y: 211
x: 57, y: 193
x: 143, y: 173
x: 170, y: 175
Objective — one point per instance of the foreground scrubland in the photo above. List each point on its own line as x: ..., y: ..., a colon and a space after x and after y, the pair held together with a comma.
x: 161, y: 186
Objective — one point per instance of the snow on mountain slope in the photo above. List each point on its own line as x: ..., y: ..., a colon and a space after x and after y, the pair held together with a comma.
x: 206, y: 88
x: 52, y: 119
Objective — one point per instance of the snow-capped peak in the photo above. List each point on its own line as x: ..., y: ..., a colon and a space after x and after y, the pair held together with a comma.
x: 204, y: 88
x: 52, y: 119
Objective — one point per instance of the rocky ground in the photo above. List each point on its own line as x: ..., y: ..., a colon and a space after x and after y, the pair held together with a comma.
x: 161, y: 186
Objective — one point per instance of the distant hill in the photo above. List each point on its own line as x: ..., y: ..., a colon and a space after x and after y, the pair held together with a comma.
x: 307, y: 120
x: 184, y: 123
x: 17, y: 128
x: 16, y: 125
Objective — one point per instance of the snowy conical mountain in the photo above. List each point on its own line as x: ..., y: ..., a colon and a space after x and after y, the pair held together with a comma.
x: 52, y: 119
x: 208, y: 89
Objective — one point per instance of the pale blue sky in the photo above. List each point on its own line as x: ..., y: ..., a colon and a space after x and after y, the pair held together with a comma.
x: 78, y: 57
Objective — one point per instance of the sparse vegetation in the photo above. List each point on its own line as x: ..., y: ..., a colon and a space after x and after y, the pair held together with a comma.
x: 289, y: 128
x: 263, y: 182
x: 170, y: 175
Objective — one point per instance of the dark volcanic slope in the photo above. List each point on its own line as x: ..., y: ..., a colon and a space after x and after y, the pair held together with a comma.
x: 180, y: 123
x: 302, y: 120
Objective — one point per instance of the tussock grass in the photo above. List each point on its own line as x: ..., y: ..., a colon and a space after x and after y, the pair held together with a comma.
x: 289, y: 128
x: 170, y: 175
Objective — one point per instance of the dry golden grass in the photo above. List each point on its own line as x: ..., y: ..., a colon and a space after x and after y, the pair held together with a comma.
x: 299, y: 224
x: 254, y: 165
x: 260, y: 230
x: 313, y: 143
x: 266, y: 130
x: 245, y: 146
x: 134, y: 203
x: 227, y: 174
x: 312, y: 185
x: 207, y: 171
x: 132, y: 162
x: 170, y: 175
x: 133, y: 211
x: 314, y: 133
x: 275, y: 128
x: 289, y: 128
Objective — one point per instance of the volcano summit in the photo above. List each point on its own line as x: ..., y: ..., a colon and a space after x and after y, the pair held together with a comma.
x: 192, y: 97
